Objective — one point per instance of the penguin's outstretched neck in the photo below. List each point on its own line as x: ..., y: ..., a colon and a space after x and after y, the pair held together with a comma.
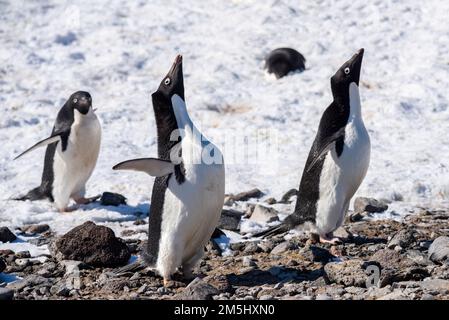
x: 354, y: 101
x: 180, y: 110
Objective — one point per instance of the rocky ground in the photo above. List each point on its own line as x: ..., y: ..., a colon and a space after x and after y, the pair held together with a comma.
x: 379, y: 259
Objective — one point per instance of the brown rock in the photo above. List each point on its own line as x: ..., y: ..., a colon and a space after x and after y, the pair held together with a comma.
x: 94, y: 245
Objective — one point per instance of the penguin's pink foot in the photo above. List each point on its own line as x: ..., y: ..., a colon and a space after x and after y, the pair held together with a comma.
x: 329, y: 238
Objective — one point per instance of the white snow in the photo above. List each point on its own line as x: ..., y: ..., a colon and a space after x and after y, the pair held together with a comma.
x: 119, y: 51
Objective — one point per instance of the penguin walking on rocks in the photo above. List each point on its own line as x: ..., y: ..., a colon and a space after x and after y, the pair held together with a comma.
x: 71, y: 155
x: 188, y: 192
x: 337, y: 162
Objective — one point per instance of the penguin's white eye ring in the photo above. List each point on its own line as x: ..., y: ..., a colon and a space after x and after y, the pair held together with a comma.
x: 167, y: 81
x: 75, y: 100
x: 347, y: 70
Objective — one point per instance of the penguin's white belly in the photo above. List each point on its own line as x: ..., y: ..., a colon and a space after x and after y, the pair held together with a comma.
x: 190, y: 215
x: 73, y: 167
x: 341, y: 177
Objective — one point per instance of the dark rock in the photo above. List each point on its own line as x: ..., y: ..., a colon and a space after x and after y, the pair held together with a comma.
x: 6, y: 235
x: 286, y: 197
x: 266, y: 245
x: 2, y: 265
x: 94, y: 245
x: 403, y: 238
x: 355, y: 217
x: 6, y: 253
x: 320, y: 254
x: 23, y: 255
x: 220, y: 282
x: 362, y: 204
x: 130, y: 232
x: 264, y: 215
x: 396, y: 267
x: 198, y: 290
x: 139, y: 222
x: 237, y: 246
x: 66, y: 39
x: 60, y: 290
x: 112, y: 199
x: 114, y: 285
x: 6, y: 294
x: 35, y: 229
x: 213, y: 248
x: 439, y: 249
x: 418, y: 257
x: 348, y: 273
x: 230, y: 220
x: 270, y: 201
x: 282, y: 247
x: 31, y: 281
x: 217, y: 234
x: 244, y: 196
x: 77, y: 56
x: 251, y: 247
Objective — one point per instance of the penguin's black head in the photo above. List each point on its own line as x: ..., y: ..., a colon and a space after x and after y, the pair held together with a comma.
x: 81, y: 101
x: 349, y: 72
x: 173, y: 82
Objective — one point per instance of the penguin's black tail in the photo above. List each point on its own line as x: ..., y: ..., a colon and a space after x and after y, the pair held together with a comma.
x: 145, y: 260
x: 272, y: 231
x: 289, y: 223
x: 34, y: 194
x: 133, y: 267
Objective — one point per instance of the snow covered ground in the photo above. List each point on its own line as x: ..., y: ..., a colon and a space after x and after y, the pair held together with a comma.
x: 120, y: 50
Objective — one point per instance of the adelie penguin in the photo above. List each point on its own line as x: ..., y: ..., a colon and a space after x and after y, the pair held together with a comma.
x: 281, y: 61
x: 188, y: 191
x: 337, y: 162
x: 71, y: 155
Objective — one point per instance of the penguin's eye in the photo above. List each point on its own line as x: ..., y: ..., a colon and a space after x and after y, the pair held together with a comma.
x: 347, y: 70
x: 75, y: 100
x: 167, y: 81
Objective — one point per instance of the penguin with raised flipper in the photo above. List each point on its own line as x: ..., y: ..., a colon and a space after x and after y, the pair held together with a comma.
x: 71, y: 155
x: 337, y: 162
x: 188, y: 191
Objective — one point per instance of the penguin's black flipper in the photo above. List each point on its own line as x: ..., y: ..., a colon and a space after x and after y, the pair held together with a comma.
x: 289, y: 223
x: 34, y: 194
x: 325, y: 146
x: 52, y: 139
x: 272, y: 231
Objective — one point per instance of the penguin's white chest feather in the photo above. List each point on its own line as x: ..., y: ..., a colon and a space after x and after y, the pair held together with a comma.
x: 73, y: 167
x: 341, y: 176
x: 191, y: 209
x: 191, y: 212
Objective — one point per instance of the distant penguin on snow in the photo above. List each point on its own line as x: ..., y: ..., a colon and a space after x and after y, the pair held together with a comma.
x: 188, y: 191
x: 281, y: 61
x: 71, y: 155
x: 337, y: 162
